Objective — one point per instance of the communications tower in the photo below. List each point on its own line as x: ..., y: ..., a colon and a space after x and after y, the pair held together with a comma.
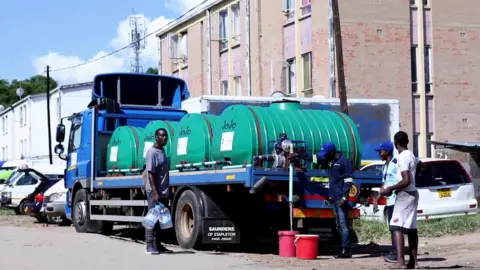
x: 137, y: 41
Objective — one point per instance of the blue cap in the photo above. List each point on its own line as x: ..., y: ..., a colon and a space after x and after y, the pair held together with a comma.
x: 326, y: 147
x: 385, y: 146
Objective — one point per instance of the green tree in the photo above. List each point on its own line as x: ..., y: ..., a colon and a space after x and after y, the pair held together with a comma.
x: 152, y: 70
x: 33, y: 85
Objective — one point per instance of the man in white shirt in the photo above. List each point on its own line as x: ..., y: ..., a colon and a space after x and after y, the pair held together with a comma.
x: 404, y: 217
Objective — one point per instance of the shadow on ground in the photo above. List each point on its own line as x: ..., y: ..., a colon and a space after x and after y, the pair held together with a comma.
x: 255, y: 246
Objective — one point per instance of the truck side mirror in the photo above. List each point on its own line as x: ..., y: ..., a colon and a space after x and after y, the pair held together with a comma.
x: 59, y: 149
x: 60, y: 135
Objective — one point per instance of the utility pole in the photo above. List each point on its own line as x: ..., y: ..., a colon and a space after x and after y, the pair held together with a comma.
x: 342, y: 90
x: 48, y: 117
x: 422, y: 140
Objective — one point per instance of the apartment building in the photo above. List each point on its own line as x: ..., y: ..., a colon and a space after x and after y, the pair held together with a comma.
x: 254, y: 48
x: 24, y: 129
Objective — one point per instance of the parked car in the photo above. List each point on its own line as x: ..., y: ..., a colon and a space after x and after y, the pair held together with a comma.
x: 23, y: 182
x: 444, y: 187
x: 37, y: 197
x: 54, y: 204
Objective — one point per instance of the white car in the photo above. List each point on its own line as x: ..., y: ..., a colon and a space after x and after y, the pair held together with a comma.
x: 444, y: 187
x: 23, y: 182
x: 54, y: 203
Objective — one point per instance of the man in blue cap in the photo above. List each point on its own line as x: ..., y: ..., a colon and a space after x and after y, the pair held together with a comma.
x: 340, y: 181
x: 389, y: 178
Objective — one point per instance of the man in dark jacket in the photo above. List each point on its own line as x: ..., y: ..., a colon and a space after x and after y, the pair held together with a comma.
x: 340, y: 181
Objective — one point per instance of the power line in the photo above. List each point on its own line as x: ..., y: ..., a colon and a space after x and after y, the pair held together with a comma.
x: 129, y: 45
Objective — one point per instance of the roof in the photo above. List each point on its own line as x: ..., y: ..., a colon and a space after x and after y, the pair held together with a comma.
x: 460, y: 146
x: 205, y: 5
x: 61, y: 87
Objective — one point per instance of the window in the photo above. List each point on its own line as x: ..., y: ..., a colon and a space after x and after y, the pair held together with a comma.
x: 306, y: 7
x: 428, y: 64
x: 291, y: 77
x: 21, y: 116
x: 5, y: 125
x: 373, y: 168
x: 24, y: 116
x: 24, y: 147
x: 307, y: 71
x: 4, y: 153
x: 173, y: 47
x: 223, y: 34
x: 415, y: 144
x: 289, y: 10
x: 425, y: 2
x: 236, y: 24
x: 224, y: 88
x: 26, y: 180
x: 183, y: 47
x: 413, y: 59
x: 441, y: 173
x: 428, y: 75
x: 237, y: 85
x: 75, y: 135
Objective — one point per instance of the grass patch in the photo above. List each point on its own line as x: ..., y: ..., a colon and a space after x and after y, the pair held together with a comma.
x: 7, y: 212
x: 370, y: 230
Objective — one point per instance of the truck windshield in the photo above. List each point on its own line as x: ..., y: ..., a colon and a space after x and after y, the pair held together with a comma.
x: 140, y: 89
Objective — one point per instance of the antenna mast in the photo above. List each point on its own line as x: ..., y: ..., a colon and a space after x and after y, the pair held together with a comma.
x: 137, y: 40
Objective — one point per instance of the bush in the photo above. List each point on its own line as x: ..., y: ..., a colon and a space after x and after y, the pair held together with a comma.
x: 371, y: 230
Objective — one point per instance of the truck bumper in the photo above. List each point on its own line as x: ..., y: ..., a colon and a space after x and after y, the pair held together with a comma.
x: 322, y: 213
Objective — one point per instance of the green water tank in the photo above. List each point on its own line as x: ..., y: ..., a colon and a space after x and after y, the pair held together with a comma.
x: 123, y: 147
x: 245, y: 131
x: 149, y: 139
x: 193, y: 139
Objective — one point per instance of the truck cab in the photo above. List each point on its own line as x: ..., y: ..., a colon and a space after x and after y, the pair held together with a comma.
x: 117, y: 99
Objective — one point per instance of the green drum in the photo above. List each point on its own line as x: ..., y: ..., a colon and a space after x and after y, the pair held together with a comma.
x: 123, y: 148
x: 245, y: 131
x: 149, y: 139
x: 193, y: 139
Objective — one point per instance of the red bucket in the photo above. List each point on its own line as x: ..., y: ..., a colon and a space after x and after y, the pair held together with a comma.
x: 306, y: 246
x: 286, y: 246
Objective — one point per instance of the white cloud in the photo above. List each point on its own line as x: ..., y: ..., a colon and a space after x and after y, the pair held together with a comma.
x: 113, y: 63
x: 116, y: 62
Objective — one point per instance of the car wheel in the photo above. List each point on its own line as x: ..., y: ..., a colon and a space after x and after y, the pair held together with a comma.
x: 22, y: 207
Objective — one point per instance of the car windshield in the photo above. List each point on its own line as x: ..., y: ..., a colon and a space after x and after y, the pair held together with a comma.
x: 441, y: 173
x: 13, y: 177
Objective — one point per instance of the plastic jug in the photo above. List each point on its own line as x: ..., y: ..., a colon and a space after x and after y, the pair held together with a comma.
x: 160, y: 214
x: 165, y: 218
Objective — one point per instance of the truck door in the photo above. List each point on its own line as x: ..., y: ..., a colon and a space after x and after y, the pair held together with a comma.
x: 74, y: 142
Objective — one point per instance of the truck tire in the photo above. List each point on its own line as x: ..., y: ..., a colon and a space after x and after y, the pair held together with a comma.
x: 81, y: 217
x: 188, y: 221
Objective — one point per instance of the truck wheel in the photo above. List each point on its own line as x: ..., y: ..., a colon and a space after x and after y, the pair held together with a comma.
x: 188, y: 221
x: 79, y: 211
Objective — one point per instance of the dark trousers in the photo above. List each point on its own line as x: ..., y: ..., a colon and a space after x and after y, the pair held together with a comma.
x: 389, y: 211
x: 152, y: 236
x: 341, y: 218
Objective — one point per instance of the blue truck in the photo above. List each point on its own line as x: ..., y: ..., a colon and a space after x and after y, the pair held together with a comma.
x: 210, y: 206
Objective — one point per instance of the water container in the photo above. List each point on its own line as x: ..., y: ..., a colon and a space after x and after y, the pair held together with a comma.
x: 165, y: 218
x: 160, y: 214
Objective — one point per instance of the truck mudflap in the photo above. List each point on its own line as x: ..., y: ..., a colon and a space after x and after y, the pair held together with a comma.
x: 220, y: 231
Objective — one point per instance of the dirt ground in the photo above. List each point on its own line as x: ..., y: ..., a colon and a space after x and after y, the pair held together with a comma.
x: 451, y: 252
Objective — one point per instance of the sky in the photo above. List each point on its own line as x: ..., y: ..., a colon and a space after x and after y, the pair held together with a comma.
x: 65, y: 33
